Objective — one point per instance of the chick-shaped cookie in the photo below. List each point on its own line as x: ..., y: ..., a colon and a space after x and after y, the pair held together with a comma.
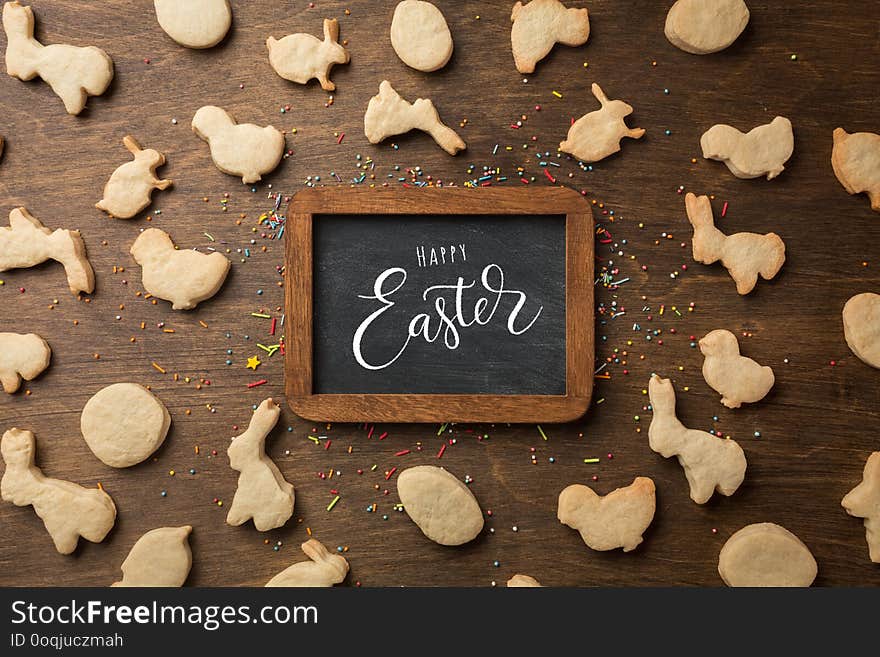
x: 239, y: 149
x: 129, y: 189
x: 740, y: 380
x: 863, y: 501
x: 22, y: 356
x: 855, y: 159
x: 541, y: 24
x: 161, y: 557
x: 762, y: 151
x: 302, y: 57
x: 324, y: 569
x: 181, y: 276
x: 861, y: 327
x: 597, y: 135
x: 615, y: 520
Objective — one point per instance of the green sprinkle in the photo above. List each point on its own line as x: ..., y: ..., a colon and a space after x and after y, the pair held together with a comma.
x: 541, y: 431
x: 333, y: 503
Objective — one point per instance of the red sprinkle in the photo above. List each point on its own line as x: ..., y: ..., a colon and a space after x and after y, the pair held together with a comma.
x: 390, y: 472
x: 724, y: 209
x: 402, y: 452
x: 384, y: 435
x: 547, y: 173
x: 442, y: 449
x: 257, y: 383
x: 272, y: 330
x: 327, y: 444
x: 341, y: 137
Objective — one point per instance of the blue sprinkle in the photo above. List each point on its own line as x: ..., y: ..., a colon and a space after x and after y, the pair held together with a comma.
x: 164, y: 494
x: 259, y: 291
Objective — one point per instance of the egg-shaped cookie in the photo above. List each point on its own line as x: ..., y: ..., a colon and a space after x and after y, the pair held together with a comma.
x: 765, y: 554
x: 441, y: 506
x: 861, y: 327
x: 420, y: 36
x: 194, y: 23
x: 124, y: 423
x: 701, y: 27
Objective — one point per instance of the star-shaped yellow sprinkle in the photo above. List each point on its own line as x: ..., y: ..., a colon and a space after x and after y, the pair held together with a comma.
x: 253, y: 362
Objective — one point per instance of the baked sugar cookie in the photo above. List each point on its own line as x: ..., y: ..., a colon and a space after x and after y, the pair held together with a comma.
x: 855, y: 159
x: 123, y: 424
x: 744, y: 255
x: 861, y: 327
x: 710, y: 463
x: 522, y: 582
x: 22, y: 356
x: 701, y: 27
x: 597, y: 135
x: 73, y: 73
x: 765, y: 554
x: 239, y: 149
x: 388, y: 114
x: 182, y: 276
x: 302, y: 57
x: 262, y: 494
x: 762, y: 151
x: 194, y: 23
x: 26, y: 242
x: 420, y: 36
x: 67, y: 510
x: 863, y: 501
x: 130, y: 186
x: 616, y: 520
x: 440, y: 505
x: 740, y: 380
x: 161, y: 557
x: 324, y: 569
x: 540, y: 25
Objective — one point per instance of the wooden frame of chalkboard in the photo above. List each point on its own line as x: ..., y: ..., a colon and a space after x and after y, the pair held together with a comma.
x: 313, y: 204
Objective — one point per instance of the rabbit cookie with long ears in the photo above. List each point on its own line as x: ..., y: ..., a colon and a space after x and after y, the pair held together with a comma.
x: 182, y: 276
x: 302, y: 57
x: 615, y: 520
x: 22, y: 356
x: 740, y: 380
x: 67, y: 509
x: 855, y: 159
x: 27, y: 242
x: 540, y: 25
x: 324, y: 569
x: 597, y: 135
x: 194, y: 23
x: 74, y: 73
x: 244, y: 149
x: 262, y: 494
x: 161, y: 557
x: 130, y: 186
x: 863, y: 501
x: 762, y: 151
x: 388, y: 114
x: 710, y: 463
x: 745, y: 255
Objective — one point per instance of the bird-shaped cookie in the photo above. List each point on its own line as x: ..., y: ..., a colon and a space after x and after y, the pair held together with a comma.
x: 761, y: 151
x: 739, y: 379
x: 161, y: 557
x: 183, y: 277
x: 615, y: 520
x: 239, y: 149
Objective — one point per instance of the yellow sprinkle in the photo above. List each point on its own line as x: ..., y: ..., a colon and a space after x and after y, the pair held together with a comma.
x: 557, y: 94
x: 197, y: 449
x: 156, y: 365
x: 541, y: 431
x: 100, y: 487
x: 168, y: 330
x: 171, y: 472
x: 203, y: 324
x: 333, y: 503
x: 309, y: 531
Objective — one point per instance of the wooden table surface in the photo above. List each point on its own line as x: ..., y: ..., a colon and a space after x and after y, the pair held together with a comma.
x: 816, y: 427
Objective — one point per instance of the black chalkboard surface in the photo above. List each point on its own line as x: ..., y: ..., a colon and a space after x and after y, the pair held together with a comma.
x: 470, y: 304
x: 439, y: 305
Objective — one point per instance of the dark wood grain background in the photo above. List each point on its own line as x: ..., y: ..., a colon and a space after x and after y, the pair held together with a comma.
x: 816, y: 427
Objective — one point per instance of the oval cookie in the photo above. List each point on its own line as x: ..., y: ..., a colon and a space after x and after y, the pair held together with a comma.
x: 861, y: 327
x: 441, y: 506
x: 123, y: 424
x: 420, y: 36
x: 765, y: 554
x: 194, y: 23
x: 701, y: 27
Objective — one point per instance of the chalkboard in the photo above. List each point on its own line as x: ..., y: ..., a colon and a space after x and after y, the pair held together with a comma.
x: 439, y: 305
x: 415, y: 338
